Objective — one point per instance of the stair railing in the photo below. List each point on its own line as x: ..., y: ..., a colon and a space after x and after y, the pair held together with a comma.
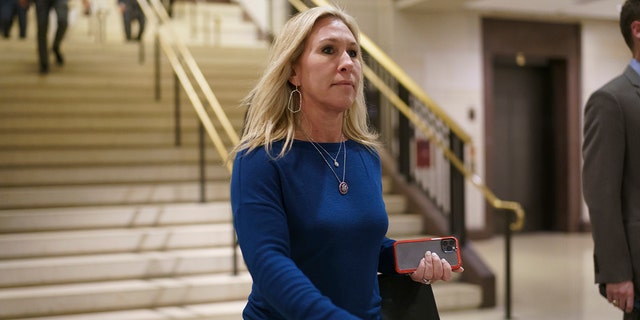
x: 420, y: 118
x: 185, y: 68
x: 186, y: 72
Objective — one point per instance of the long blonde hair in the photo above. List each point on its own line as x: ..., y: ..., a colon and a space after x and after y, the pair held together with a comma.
x: 268, y: 119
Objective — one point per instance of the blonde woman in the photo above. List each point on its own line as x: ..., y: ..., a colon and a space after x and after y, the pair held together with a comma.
x: 306, y: 187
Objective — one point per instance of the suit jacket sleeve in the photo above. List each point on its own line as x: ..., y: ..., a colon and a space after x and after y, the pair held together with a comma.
x: 604, y: 156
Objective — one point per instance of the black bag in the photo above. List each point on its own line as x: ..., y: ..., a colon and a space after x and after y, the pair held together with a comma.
x: 405, y: 299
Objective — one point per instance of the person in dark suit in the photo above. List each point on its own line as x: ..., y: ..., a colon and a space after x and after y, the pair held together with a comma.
x: 43, y: 7
x: 131, y: 11
x: 611, y: 175
x: 9, y: 9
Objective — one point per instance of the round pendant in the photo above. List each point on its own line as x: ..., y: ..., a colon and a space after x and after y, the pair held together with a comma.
x: 343, y: 188
x: 335, y: 163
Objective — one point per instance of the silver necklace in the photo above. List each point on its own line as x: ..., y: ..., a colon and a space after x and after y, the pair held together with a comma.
x: 335, y: 159
x: 343, y: 187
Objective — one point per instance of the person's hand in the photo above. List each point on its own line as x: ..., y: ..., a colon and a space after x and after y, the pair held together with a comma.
x: 122, y: 6
x: 621, y: 295
x: 432, y: 269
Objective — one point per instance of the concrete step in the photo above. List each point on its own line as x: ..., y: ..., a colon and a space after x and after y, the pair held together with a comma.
x: 124, y: 109
x: 216, y: 26
x: 456, y: 295
x: 113, y: 217
x: 449, y: 296
x: 395, y: 203
x: 117, y: 266
x: 118, y: 55
x: 135, y: 81
x: 147, y: 215
x: 190, y: 10
x: 89, y: 94
x: 228, y: 55
x: 121, y: 295
x: 109, y: 50
x: 402, y: 225
x: 120, y: 240
x: 105, y: 108
x: 129, y: 194
x: 109, y: 174
x: 135, y: 107
x: 76, y: 67
x: 55, y: 157
x: 231, y: 310
x: 100, y: 195
x: 115, y: 138
x: 101, y: 123
x: 235, y: 36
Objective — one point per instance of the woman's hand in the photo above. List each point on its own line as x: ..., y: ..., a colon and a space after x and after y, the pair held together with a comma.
x: 432, y: 269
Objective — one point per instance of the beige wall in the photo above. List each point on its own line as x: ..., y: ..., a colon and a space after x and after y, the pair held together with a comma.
x: 604, y: 56
x: 259, y: 12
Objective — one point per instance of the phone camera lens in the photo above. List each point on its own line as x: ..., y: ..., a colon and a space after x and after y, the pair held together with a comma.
x: 448, y: 246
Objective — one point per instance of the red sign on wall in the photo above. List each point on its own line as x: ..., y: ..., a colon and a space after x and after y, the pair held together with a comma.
x: 423, y: 154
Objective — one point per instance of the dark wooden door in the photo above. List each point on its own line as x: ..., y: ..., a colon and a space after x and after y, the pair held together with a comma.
x: 523, y: 149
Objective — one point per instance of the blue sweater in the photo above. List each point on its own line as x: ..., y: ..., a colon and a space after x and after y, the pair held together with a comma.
x: 312, y: 252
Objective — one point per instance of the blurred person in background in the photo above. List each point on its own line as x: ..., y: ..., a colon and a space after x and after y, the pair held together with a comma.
x: 131, y: 11
x: 43, y: 7
x: 10, y: 9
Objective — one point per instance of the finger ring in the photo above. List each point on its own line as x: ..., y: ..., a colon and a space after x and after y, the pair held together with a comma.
x: 426, y: 281
x: 615, y: 302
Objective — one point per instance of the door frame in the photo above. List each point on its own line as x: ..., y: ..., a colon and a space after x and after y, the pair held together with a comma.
x: 558, y: 42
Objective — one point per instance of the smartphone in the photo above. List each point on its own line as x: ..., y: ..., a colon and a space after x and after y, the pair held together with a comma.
x: 408, y: 253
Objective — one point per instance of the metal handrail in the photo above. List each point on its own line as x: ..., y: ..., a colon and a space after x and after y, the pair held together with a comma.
x: 199, y: 77
x: 194, y: 98
x: 168, y: 40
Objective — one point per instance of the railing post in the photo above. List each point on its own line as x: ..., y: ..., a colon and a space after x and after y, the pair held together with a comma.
x: 404, y: 138
x: 507, y: 266
x: 271, y: 30
x: 141, y: 52
x: 194, y: 19
x: 202, y: 163
x: 176, y: 111
x: 156, y: 59
x: 457, y: 216
x: 100, y: 17
x: 206, y: 27
x: 373, y: 101
x: 167, y: 6
x: 234, y: 243
x: 217, y: 31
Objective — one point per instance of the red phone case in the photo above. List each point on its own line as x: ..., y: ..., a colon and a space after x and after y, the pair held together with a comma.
x: 408, y: 253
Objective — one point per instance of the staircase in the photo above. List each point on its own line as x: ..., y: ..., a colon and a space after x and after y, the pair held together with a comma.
x: 99, y: 211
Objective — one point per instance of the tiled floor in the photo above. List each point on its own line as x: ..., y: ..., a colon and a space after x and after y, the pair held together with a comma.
x: 552, y: 279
